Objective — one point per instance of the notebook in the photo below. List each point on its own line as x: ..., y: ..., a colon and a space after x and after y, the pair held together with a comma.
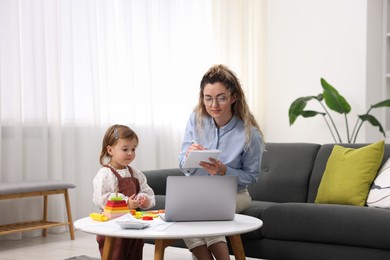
x: 197, y: 156
x: 200, y: 198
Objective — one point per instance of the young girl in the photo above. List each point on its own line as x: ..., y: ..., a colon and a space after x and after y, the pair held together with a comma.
x: 118, y: 151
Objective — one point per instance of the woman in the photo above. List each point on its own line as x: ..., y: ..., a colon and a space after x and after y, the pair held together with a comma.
x: 222, y: 120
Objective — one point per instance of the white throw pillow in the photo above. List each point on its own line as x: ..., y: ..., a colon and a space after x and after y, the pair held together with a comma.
x: 379, y: 195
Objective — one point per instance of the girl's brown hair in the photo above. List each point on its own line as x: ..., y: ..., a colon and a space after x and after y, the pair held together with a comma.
x: 111, y: 137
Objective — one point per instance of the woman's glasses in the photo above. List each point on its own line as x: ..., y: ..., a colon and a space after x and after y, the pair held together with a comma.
x: 221, y: 100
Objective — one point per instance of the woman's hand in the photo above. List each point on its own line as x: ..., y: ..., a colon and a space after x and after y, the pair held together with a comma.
x: 194, y: 147
x: 214, y: 167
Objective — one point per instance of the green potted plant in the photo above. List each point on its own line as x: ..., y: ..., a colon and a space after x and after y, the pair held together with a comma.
x: 331, y: 99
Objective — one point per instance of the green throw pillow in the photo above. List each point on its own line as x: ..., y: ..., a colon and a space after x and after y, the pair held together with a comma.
x: 349, y: 174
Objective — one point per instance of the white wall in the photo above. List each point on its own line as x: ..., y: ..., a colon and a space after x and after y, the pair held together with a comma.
x: 307, y: 40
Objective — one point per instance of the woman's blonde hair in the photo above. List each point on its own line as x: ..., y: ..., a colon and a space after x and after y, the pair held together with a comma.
x: 221, y: 73
x: 111, y: 137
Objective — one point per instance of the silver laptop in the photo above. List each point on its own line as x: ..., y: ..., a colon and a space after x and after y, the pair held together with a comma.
x: 200, y: 198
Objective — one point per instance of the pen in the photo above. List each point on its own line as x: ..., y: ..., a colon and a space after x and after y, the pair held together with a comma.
x: 200, y: 147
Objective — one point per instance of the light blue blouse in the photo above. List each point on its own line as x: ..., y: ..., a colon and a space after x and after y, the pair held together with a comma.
x: 241, y: 160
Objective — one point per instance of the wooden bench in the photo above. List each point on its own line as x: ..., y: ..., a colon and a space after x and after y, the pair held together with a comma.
x: 25, y: 189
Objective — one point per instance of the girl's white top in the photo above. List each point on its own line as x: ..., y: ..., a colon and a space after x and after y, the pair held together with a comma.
x: 105, y: 184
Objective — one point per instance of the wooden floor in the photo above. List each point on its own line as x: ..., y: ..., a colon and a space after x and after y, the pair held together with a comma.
x: 59, y: 246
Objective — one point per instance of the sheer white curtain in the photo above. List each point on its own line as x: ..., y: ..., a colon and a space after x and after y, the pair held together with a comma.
x: 71, y: 68
x: 239, y: 41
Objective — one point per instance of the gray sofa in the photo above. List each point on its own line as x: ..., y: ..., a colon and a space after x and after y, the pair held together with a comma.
x: 294, y: 227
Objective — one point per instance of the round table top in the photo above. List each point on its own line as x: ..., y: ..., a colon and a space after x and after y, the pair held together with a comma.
x: 160, y: 229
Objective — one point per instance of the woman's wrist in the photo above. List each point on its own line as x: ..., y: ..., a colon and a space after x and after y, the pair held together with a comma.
x: 224, y: 170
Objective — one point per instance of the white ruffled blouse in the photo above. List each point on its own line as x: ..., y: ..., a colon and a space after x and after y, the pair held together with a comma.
x: 105, y: 184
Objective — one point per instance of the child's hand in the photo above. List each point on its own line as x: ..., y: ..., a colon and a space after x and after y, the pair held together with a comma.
x: 144, y: 201
x: 132, y: 202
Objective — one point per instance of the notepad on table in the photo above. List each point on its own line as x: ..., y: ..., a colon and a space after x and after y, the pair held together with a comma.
x: 197, y: 156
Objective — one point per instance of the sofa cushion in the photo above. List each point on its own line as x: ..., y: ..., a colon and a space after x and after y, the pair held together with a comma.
x: 320, y: 165
x: 349, y: 174
x: 157, y: 179
x: 328, y: 223
x: 285, y: 172
x: 160, y: 202
x: 379, y: 195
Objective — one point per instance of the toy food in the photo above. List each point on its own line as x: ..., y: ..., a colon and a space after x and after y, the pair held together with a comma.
x: 98, y: 217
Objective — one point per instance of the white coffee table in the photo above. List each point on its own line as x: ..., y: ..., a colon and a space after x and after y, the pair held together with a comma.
x: 165, y: 234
